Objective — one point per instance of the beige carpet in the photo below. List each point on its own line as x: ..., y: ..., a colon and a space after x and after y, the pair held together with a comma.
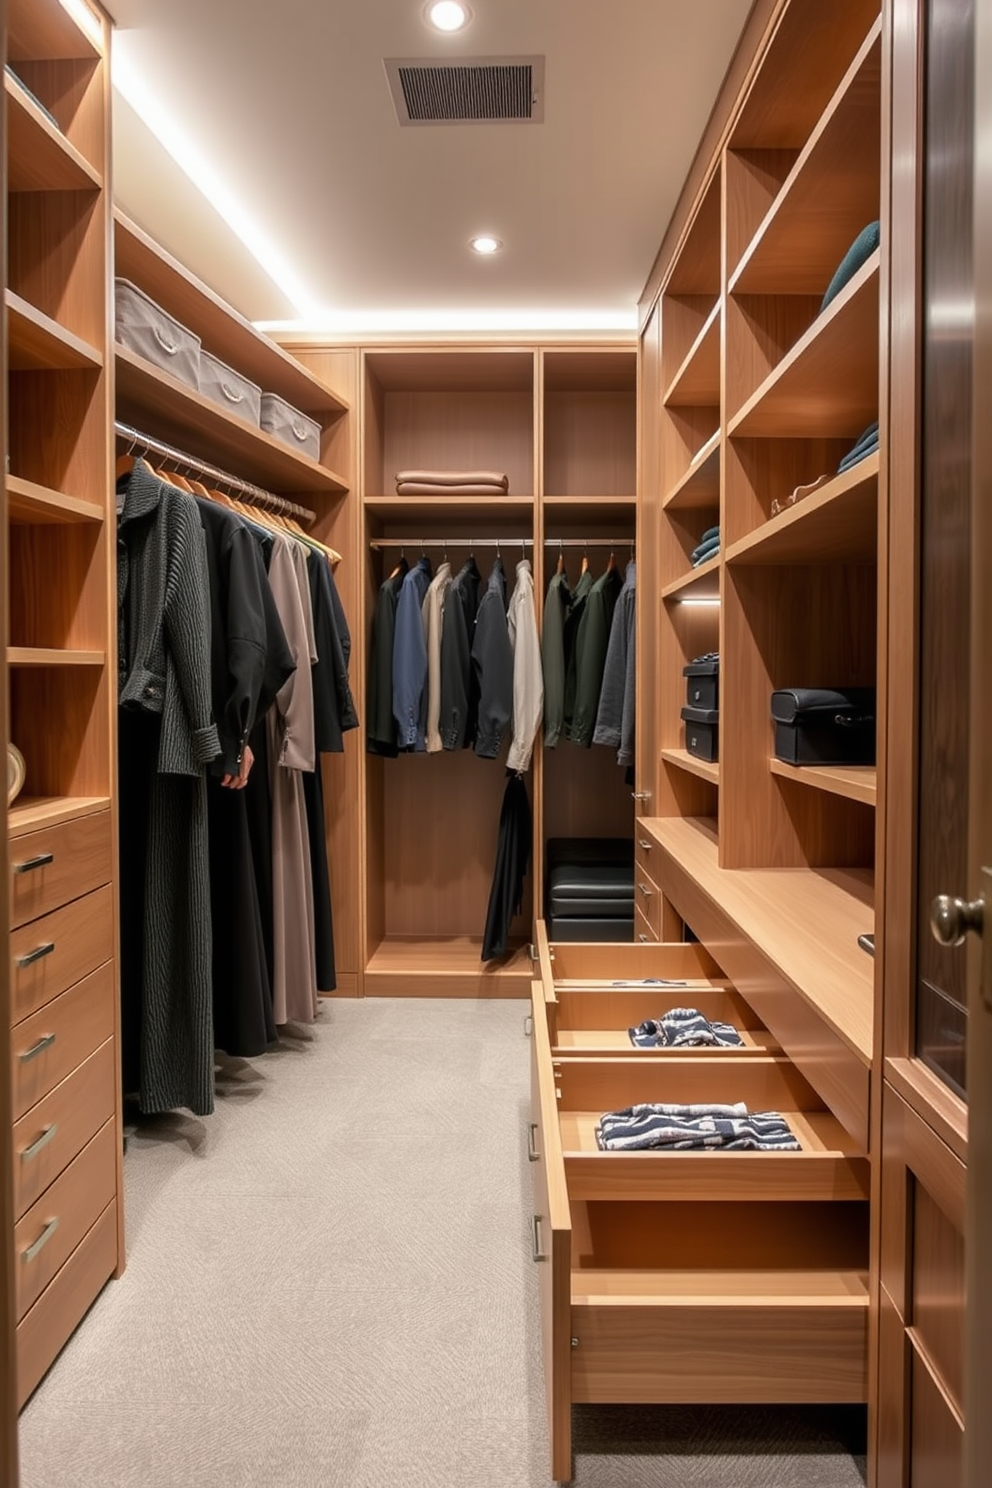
x: 329, y: 1285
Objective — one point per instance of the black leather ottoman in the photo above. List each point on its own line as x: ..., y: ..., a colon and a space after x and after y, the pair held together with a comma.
x: 590, y: 889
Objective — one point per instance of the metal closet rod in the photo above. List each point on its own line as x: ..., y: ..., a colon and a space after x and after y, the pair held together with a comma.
x: 268, y: 499
x: 499, y: 542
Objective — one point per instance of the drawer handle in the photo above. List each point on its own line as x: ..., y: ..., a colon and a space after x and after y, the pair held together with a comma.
x: 535, y: 1239
x: 30, y: 864
x: 640, y: 795
x: 32, y: 956
x: 33, y: 1250
x: 644, y: 889
x: 528, y: 1025
x: 39, y: 1142
x: 532, y: 1153
x: 642, y: 936
x: 643, y: 844
x: 39, y: 1048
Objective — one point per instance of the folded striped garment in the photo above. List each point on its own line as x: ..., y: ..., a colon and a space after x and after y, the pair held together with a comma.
x: 684, y: 1028
x: 670, y: 1128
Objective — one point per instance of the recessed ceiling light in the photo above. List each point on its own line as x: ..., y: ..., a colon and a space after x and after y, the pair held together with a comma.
x: 448, y: 15
x: 485, y: 245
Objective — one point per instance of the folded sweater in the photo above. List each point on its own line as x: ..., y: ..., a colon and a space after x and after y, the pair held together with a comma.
x: 455, y: 477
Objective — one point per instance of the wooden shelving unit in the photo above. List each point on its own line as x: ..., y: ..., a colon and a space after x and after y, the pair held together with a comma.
x: 39, y: 157
x: 35, y: 505
x: 856, y: 782
x: 700, y: 485
x: 837, y: 523
x: 683, y: 760
x: 702, y: 583
x: 37, y: 343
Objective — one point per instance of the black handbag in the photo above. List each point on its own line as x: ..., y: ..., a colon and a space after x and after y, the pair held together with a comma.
x: 824, y: 726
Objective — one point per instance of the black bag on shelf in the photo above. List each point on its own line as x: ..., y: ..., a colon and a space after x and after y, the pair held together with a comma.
x: 824, y: 726
x: 702, y: 688
x: 701, y: 733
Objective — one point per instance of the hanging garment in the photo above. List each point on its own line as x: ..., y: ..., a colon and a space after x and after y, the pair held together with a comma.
x: 528, y: 684
x: 166, y: 739
x: 239, y: 636
x: 580, y: 598
x: 410, y: 660
x: 492, y: 660
x: 334, y: 712
x: 557, y: 604
x: 615, y: 716
x: 380, y: 730
x: 291, y: 750
x: 688, y: 1128
x: 459, y: 684
x: 590, y: 654
x: 432, y: 612
x: 512, y: 856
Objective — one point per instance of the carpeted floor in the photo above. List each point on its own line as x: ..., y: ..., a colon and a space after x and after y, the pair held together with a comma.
x: 329, y: 1285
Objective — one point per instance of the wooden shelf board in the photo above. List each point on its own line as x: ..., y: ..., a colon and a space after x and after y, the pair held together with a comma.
x: 700, y: 486
x: 29, y: 813
x: 724, y: 1288
x: 180, y: 414
x: 808, y: 227
x: 697, y: 381
x: 593, y: 502
x: 520, y: 508
x: 41, y: 32
x: 805, y: 920
x: 37, y: 343
x: 827, y: 385
x: 855, y: 782
x: 29, y: 504
x: 445, y: 966
x: 838, y: 523
x: 705, y: 769
x: 39, y: 157
x: 48, y: 656
x: 702, y: 583
x: 222, y: 330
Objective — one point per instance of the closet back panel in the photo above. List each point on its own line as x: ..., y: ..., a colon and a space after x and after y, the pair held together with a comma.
x: 586, y: 793
x: 72, y: 759
x: 56, y: 252
x: 590, y: 443
x: 74, y: 91
x: 71, y: 408
x: 456, y: 431
x: 62, y: 597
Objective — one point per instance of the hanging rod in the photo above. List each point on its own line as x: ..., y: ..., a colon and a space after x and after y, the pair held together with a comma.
x: 380, y: 543
x: 590, y: 542
x: 195, y: 466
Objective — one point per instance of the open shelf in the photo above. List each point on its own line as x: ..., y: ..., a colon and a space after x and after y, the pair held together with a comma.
x: 838, y: 523
x: 29, y: 504
x: 180, y: 414
x: 47, y: 656
x: 827, y: 385
x: 855, y: 782
x: 37, y: 343
x: 739, y: 1291
x: 705, y: 769
x: 701, y: 583
x: 445, y: 967
x: 700, y: 485
x: 222, y: 330
x: 29, y: 813
x: 697, y: 381
x: 499, y: 509
x: 39, y: 157
x: 36, y: 32
x: 829, y: 194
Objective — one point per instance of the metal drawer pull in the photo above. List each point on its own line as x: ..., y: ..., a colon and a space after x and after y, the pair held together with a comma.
x: 42, y: 1240
x: 30, y: 864
x: 39, y: 1048
x: 32, y: 956
x: 644, y: 889
x: 643, y: 844
x: 640, y: 795
x: 528, y: 1025
x: 39, y: 1142
x: 532, y: 1153
x: 535, y: 1238
x: 642, y: 936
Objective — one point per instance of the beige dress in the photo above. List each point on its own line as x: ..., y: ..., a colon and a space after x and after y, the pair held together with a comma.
x: 291, y: 749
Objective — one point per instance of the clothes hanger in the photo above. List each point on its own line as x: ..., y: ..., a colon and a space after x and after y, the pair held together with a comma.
x: 125, y: 462
x: 585, y: 561
x: 560, y: 565
x: 611, y: 562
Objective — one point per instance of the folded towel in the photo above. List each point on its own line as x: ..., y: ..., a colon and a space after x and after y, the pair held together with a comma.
x: 709, y: 534
x: 455, y: 477
x: 856, y: 456
x: 704, y: 554
x: 424, y: 488
x: 684, y: 1028
x: 694, y: 1128
x: 858, y: 254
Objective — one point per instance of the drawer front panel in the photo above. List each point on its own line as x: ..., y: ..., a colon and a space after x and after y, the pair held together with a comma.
x: 50, y: 867
x: 47, y: 1327
x: 49, y: 1232
x: 644, y: 931
x: 48, y: 1046
x: 647, y: 898
x: 56, y: 951
x: 763, y: 1083
x: 644, y: 851
x: 607, y: 963
x: 53, y: 1132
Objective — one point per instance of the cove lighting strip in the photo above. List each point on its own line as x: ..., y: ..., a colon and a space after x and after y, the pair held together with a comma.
x: 85, y: 19
x: 402, y: 322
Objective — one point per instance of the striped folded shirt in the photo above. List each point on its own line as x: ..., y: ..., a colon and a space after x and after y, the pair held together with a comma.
x: 684, y: 1028
x: 671, y: 1128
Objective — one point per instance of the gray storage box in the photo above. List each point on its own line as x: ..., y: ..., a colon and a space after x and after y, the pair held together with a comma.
x: 290, y: 426
x: 221, y: 384
x: 144, y: 327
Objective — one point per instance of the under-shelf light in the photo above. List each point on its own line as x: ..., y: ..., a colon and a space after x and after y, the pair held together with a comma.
x: 85, y: 19
x: 691, y: 600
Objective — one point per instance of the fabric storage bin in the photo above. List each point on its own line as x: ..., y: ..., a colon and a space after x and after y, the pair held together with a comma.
x: 144, y: 327
x: 222, y: 385
x: 290, y: 426
x: 824, y: 726
x: 702, y: 733
x: 702, y: 688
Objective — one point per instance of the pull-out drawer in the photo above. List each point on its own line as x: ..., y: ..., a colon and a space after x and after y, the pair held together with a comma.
x: 647, y: 899
x: 52, y: 953
x: 49, y: 1232
x: 48, y: 1046
x: 49, y: 1136
x: 56, y: 864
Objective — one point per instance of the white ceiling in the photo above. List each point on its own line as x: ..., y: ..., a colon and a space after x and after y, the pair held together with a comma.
x: 287, y: 102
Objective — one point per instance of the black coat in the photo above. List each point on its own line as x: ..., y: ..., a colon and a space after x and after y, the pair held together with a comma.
x: 380, y: 725
x: 459, y: 685
x: 512, y: 856
x: 492, y: 661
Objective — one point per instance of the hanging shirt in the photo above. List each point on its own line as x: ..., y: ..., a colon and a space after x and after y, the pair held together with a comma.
x: 590, y: 654
x: 432, y: 613
x: 528, y: 685
x: 580, y: 598
x: 459, y: 686
x: 556, y: 608
x: 410, y: 659
x: 380, y: 733
x: 492, y: 658
x: 615, y: 717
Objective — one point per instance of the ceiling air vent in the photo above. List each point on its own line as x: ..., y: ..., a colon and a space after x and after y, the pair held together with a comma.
x: 469, y: 90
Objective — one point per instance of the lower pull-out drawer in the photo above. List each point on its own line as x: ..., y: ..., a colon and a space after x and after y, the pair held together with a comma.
x: 52, y: 953
x: 49, y: 1045
x: 52, y: 1133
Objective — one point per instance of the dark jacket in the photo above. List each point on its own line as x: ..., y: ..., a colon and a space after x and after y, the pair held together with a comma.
x: 380, y: 725
x: 590, y: 654
x: 459, y: 685
x: 580, y: 597
x: 410, y: 659
x: 333, y: 706
x: 615, y: 718
x: 492, y: 660
x: 510, y: 871
x: 556, y: 608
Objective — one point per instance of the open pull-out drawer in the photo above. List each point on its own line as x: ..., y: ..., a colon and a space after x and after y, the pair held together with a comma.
x: 754, y: 1289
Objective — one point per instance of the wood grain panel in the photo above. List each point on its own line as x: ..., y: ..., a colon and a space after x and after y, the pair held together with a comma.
x: 40, y: 158
x: 73, y: 760
x: 761, y: 330
x: 60, y: 600
x: 73, y: 89
x: 66, y: 1032
x: 70, y: 408
x: 937, y: 1433
x: 697, y: 265
x: 759, y: 471
x: 82, y: 934
x: 75, y: 1200
x: 598, y: 1011
x: 590, y: 443
x: 31, y: 504
x: 81, y: 852
x: 604, y: 963
x: 838, y: 523
x: 763, y: 1084
x: 892, y: 1405
x: 458, y: 431
x: 585, y: 793
x: 45, y: 31
x: 57, y: 251
x: 753, y: 179
x: 73, y: 1112
x: 938, y: 1293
